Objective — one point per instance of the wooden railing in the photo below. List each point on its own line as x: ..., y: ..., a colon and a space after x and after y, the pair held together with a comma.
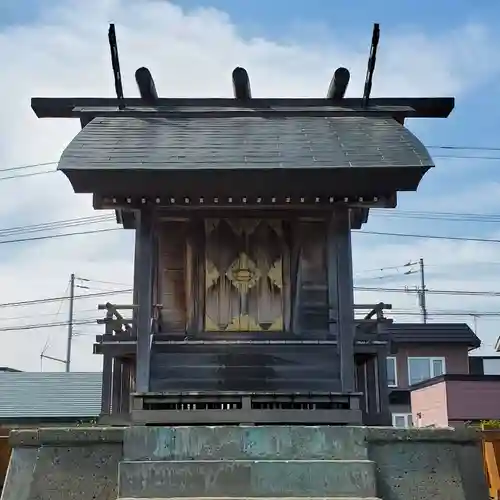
x: 116, y: 323
x: 491, y: 454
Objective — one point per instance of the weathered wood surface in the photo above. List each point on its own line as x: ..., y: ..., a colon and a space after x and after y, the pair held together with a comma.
x: 244, y: 279
x: 264, y: 367
x: 173, y: 280
x: 198, y: 285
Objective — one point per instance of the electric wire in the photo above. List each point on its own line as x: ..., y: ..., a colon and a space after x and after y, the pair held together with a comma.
x: 56, y: 299
x: 62, y: 235
x: 43, y: 314
x: 446, y: 147
x: 45, y: 325
x: 31, y: 174
x: 31, y: 165
x: 50, y: 226
x: 379, y: 233
x: 431, y: 291
x: 450, y: 292
x: 429, y: 236
x: 449, y: 156
x: 396, y: 312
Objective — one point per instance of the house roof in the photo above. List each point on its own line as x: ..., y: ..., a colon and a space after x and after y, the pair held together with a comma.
x: 454, y: 333
x: 251, y: 159
x: 244, y: 142
x: 50, y: 395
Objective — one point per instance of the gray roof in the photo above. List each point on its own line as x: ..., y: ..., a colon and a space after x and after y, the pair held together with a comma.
x: 434, y: 332
x: 49, y: 395
x: 236, y: 142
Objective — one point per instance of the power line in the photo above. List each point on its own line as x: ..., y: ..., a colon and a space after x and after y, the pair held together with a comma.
x: 395, y: 312
x: 380, y: 233
x: 481, y: 293
x: 432, y: 146
x: 56, y: 299
x: 32, y: 316
x: 387, y: 268
x: 429, y: 236
x: 38, y: 326
x: 103, y: 282
x: 32, y: 165
x: 465, y: 148
x: 470, y: 293
x: 447, y: 216
x: 49, y: 237
x: 49, y: 226
x: 467, y: 157
x: 19, y: 176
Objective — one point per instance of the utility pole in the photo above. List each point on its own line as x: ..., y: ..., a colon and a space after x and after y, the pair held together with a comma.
x: 70, y: 321
x: 420, y: 290
x: 423, y: 305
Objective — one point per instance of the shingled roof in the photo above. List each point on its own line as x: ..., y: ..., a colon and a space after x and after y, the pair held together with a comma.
x: 237, y: 142
x: 272, y: 152
x: 429, y: 333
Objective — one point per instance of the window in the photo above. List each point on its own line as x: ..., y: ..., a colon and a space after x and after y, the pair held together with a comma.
x: 392, y: 376
x: 420, y: 369
x: 402, y: 420
x: 491, y: 366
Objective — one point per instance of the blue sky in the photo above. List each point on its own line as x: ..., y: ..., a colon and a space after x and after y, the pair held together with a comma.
x: 51, y: 54
x: 476, y: 119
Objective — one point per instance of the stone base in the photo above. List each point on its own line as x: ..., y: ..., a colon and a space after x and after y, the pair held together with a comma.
x: 64, y: 464
x: 271, y: 462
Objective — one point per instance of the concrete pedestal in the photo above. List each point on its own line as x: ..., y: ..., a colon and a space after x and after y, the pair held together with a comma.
x: 245, y: 461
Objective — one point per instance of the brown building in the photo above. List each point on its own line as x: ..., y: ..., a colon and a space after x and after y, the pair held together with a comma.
x: 454, y: 400
x: 421, y: 352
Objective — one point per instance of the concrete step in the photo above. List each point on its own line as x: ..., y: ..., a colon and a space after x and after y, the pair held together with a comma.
x: 247, y: 478
x: 245, y: 443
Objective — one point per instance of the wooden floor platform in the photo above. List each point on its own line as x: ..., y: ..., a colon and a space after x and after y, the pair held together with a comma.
x: 246, y: 408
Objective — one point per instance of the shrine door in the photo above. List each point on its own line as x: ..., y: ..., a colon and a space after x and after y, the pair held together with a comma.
x: 244, y: 275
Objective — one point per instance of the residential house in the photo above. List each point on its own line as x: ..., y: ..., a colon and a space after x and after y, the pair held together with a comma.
x: 421, y: 352
x: 36, y: 399
x: 454, y: 399
x: 47, y: 398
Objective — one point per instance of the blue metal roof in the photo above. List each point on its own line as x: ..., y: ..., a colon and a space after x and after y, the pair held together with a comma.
x: 50, y: 395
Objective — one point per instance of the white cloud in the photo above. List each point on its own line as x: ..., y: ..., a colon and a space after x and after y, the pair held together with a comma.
x: 193, y: 53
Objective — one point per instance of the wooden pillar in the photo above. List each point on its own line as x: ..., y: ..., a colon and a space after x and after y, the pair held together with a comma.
x: 383, y: 388
x: 125, y: 388
x: 143, y: 293
x: 341, y: 293
x: 137, y: 258
x: 116, y: 397
x: 107, y: 382
x: 361, y: 383
x: 372, y: 388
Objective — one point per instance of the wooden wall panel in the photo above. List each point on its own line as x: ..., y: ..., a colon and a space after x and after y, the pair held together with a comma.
x: 246, y: 367
x: 244, y: 280
x: 172, y: 275
x: 312, y: 285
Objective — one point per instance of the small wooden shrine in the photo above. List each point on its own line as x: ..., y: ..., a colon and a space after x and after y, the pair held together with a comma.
x: 243, y: 209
